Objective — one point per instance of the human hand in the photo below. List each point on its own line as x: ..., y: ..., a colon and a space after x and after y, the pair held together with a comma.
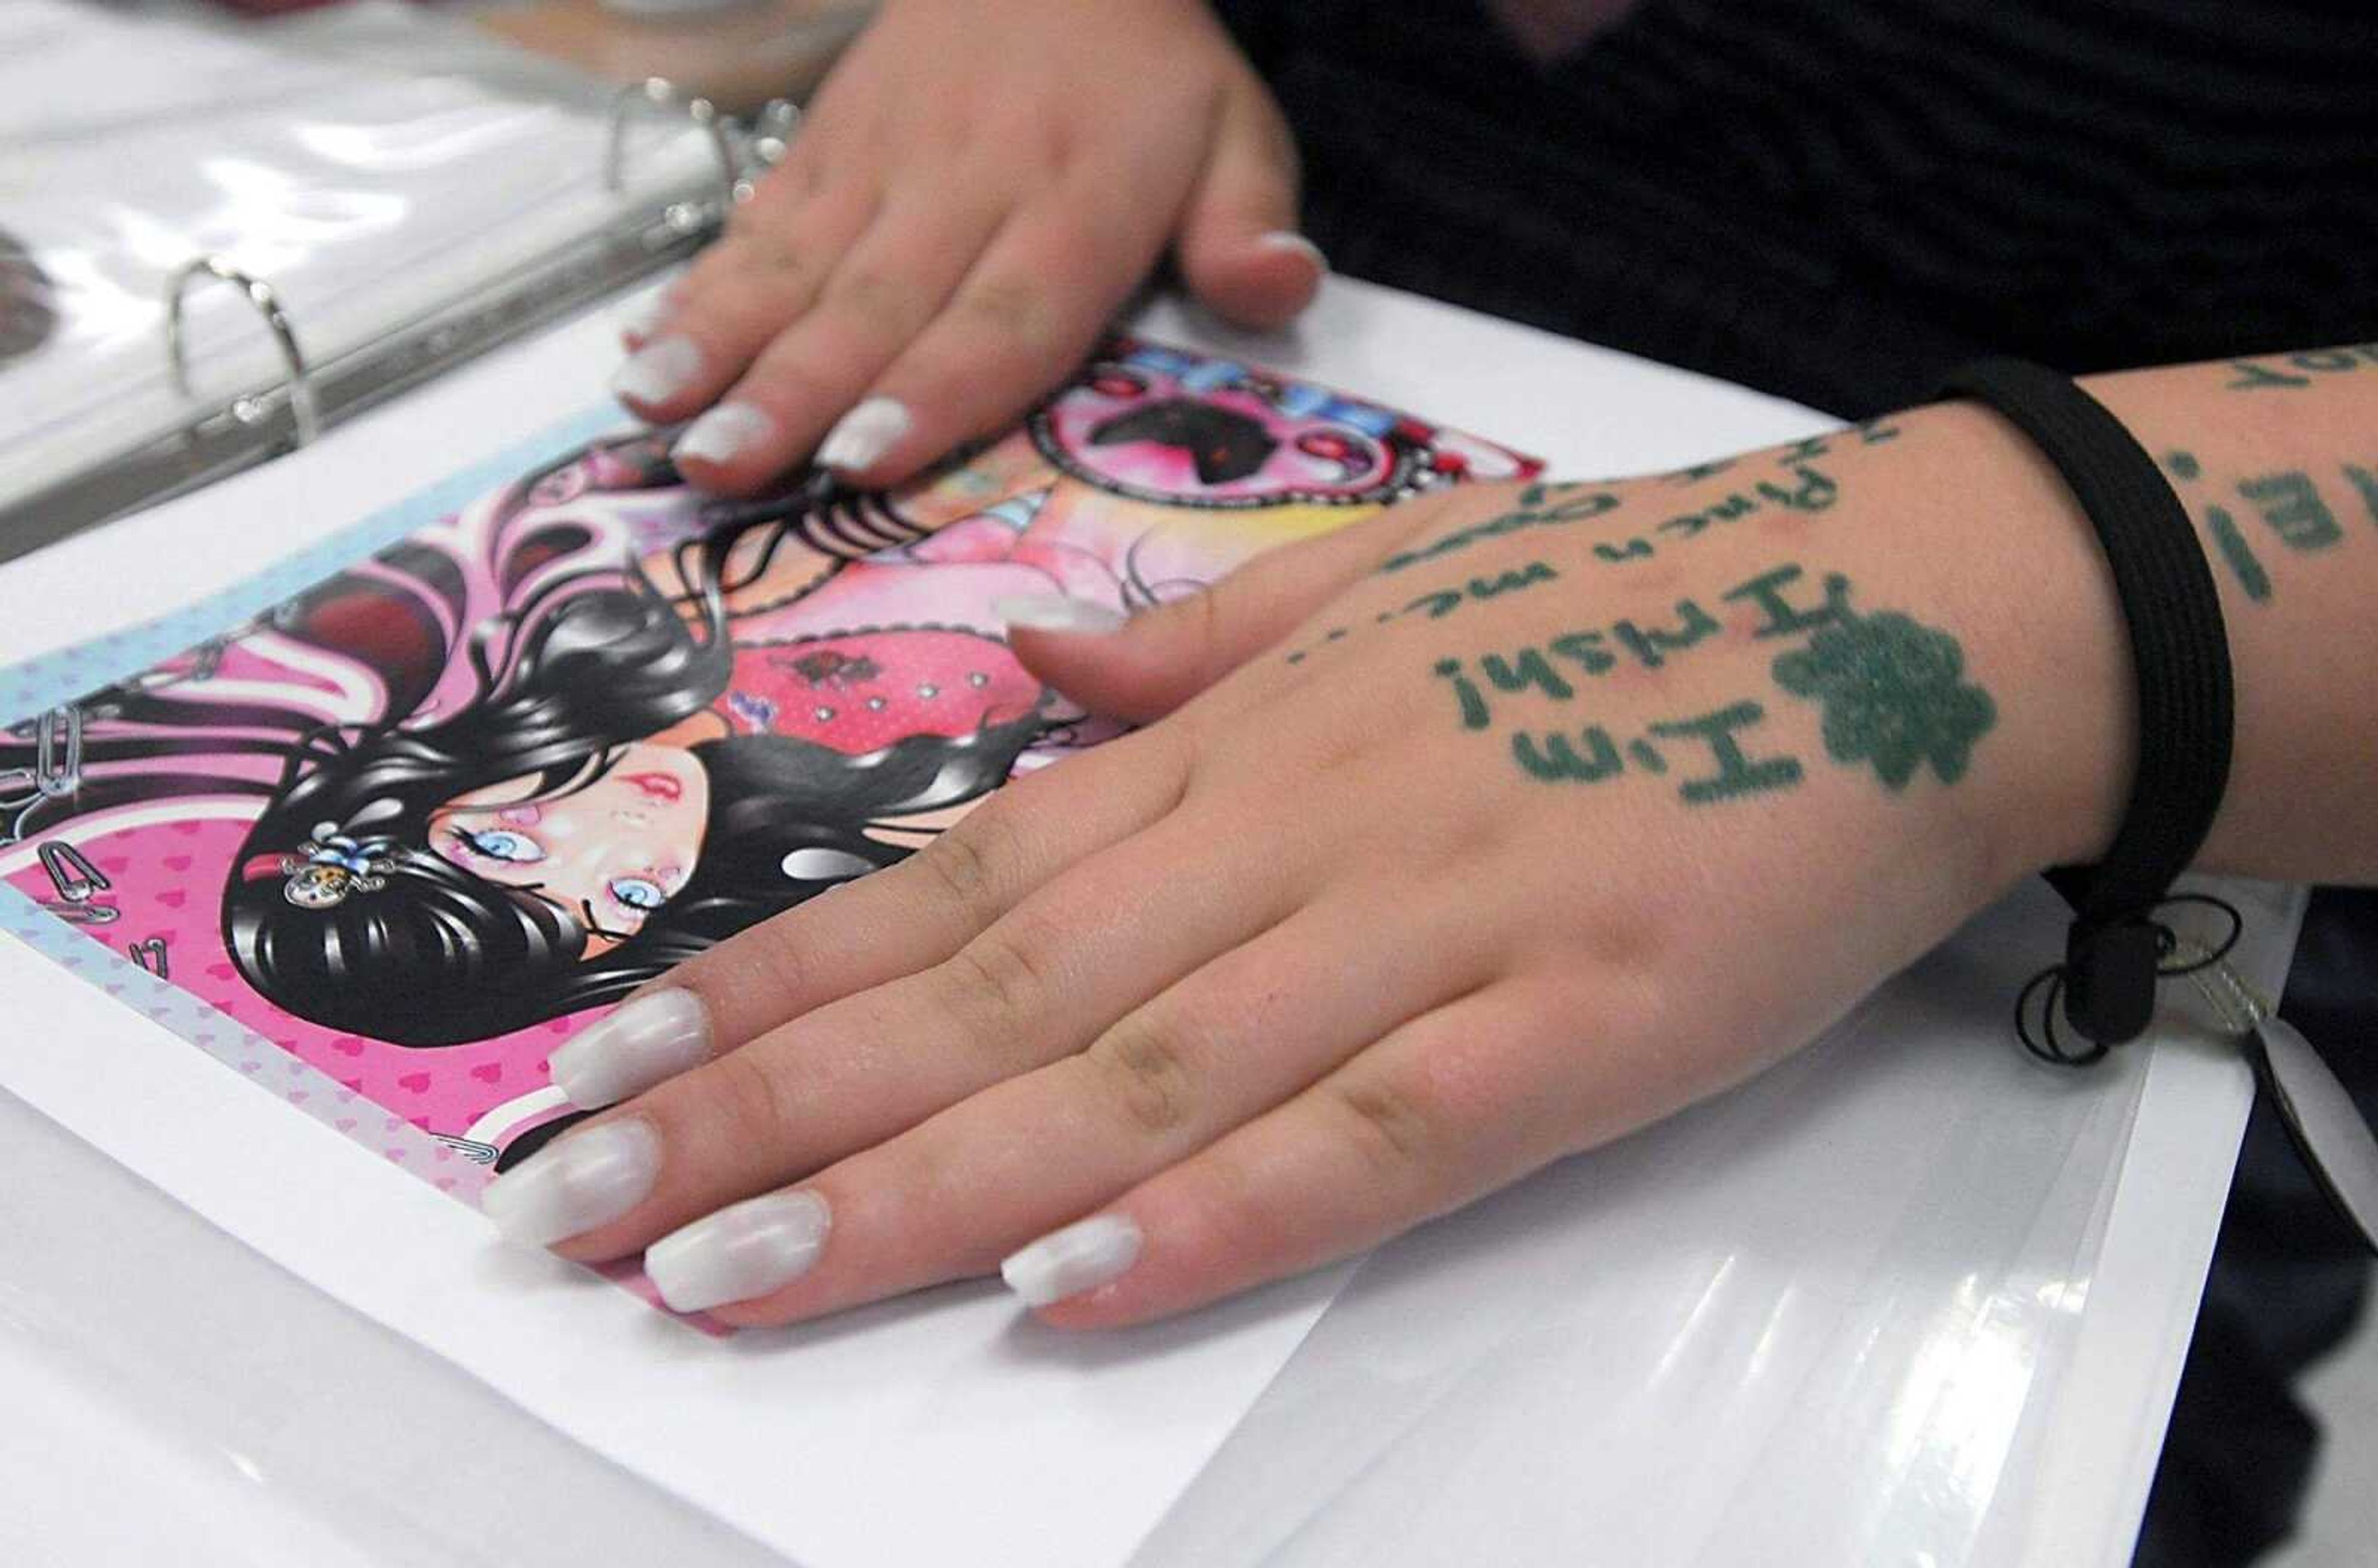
x: 976, y: 191
x: 1473, y: 835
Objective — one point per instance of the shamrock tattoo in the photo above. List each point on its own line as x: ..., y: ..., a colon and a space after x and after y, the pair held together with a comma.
x: 1894, y: 694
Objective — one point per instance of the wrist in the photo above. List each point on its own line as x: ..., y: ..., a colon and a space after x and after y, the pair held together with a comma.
x: 1990, y: 522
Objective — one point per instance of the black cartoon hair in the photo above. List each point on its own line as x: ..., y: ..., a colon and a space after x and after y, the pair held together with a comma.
x: 438, y: 955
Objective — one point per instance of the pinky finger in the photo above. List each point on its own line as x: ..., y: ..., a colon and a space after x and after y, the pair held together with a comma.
x: 1448, y: 1107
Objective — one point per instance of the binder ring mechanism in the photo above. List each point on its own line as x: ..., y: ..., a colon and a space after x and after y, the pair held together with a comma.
x: 304, y: 407
x: 659, y: 93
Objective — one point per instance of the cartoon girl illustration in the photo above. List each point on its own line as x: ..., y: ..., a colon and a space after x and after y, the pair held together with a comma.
x: 587, y: 807
x: 523, y: 762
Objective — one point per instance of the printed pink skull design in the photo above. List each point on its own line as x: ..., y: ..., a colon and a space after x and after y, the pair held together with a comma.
x: 1160, y: 425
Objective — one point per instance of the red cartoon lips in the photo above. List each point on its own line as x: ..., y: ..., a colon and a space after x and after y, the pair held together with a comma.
x: 655, y: 786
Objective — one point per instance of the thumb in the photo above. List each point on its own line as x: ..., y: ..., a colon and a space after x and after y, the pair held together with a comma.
x: 1142, y: 666
x: 1239, y: 248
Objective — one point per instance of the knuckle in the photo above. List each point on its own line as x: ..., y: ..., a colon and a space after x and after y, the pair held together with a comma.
x: 1016, y: 311
x: 768, y: 960
x: 752, y: 1106
x: 968, y: 862
x: 998, y: 978
x: 1059, y: 139
x: 1341, y: 749
x: 1240, y: 1212
x: 1386, y: 1127
x: 757, y: 281
x: 804, y: 175
x: 877, y: 298
x: 757, y: 248
x: 1144, y: 1070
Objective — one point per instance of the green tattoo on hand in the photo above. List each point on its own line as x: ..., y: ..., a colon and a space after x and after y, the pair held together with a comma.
x: 1736, y: 773
x: 1552, y: 758
x: 1541, y: 506
x: 1893, y: 695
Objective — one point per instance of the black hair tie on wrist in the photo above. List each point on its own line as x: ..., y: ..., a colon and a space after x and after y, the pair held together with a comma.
x: 2116, y: 949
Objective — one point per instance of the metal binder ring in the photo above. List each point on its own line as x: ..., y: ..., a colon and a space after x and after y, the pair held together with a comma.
x: 771, y: 135
x: 660, y: 92
x: 302, y: 407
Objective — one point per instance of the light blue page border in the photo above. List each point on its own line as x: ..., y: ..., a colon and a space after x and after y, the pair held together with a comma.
x: 40, y: 684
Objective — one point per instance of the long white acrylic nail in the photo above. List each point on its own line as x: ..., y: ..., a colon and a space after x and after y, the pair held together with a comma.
x: 582, y: 1180
x: 1081, y: 1257
x: 864, y: 435
x: 657, y: 1036
x: 658, y: 371
x: 746, y: 1250
x: 1054, y: 612
x: 1288, y: 239
x: 724, y: 433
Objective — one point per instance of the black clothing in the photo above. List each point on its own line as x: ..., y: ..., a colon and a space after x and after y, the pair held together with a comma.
x: 2289, y: 1281
x: 1835, y: 203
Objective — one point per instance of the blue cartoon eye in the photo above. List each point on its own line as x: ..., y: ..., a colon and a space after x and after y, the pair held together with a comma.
x: 638, y: 892
x: 502, y: 843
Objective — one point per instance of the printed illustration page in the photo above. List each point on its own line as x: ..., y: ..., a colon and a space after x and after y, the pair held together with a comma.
x: 818, y: 1442
x: 383, y: 843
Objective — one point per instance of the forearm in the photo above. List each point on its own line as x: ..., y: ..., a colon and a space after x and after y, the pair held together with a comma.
x: 1950, y: 515
x: 2275, y: 461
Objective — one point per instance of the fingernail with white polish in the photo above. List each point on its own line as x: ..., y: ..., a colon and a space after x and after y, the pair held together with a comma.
x: 746, y: 1250
x: 655, y: 1037
x: 1288, y: 239
x: 1054, y: 612
x: 658, y: 371
x: 1065, y: 1262
x: 864, y: 435
x: 584, y: 1179
x: 646, y: 318
x: 724, y: 433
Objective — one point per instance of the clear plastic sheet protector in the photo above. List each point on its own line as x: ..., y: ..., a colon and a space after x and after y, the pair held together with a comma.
x: 373, y: 164
x: 1823, y: 1319
x: 1829, y: 1318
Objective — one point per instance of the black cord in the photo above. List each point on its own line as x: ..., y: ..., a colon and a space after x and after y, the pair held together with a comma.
x: 2180, y: 653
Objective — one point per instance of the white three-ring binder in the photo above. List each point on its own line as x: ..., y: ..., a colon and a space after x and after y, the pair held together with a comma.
x: 218, y: 240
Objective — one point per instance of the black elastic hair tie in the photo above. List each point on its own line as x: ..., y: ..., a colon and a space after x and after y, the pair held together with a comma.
x: 2117, y: 948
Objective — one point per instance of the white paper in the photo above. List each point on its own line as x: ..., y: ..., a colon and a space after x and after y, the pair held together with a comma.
x: 944, y: 1428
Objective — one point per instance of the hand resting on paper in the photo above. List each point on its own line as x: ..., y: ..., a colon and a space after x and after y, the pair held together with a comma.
x: 975, y: 192
x: 1459, y: 840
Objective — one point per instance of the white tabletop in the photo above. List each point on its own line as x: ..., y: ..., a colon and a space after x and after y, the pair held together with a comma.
x: 175, y: 1396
